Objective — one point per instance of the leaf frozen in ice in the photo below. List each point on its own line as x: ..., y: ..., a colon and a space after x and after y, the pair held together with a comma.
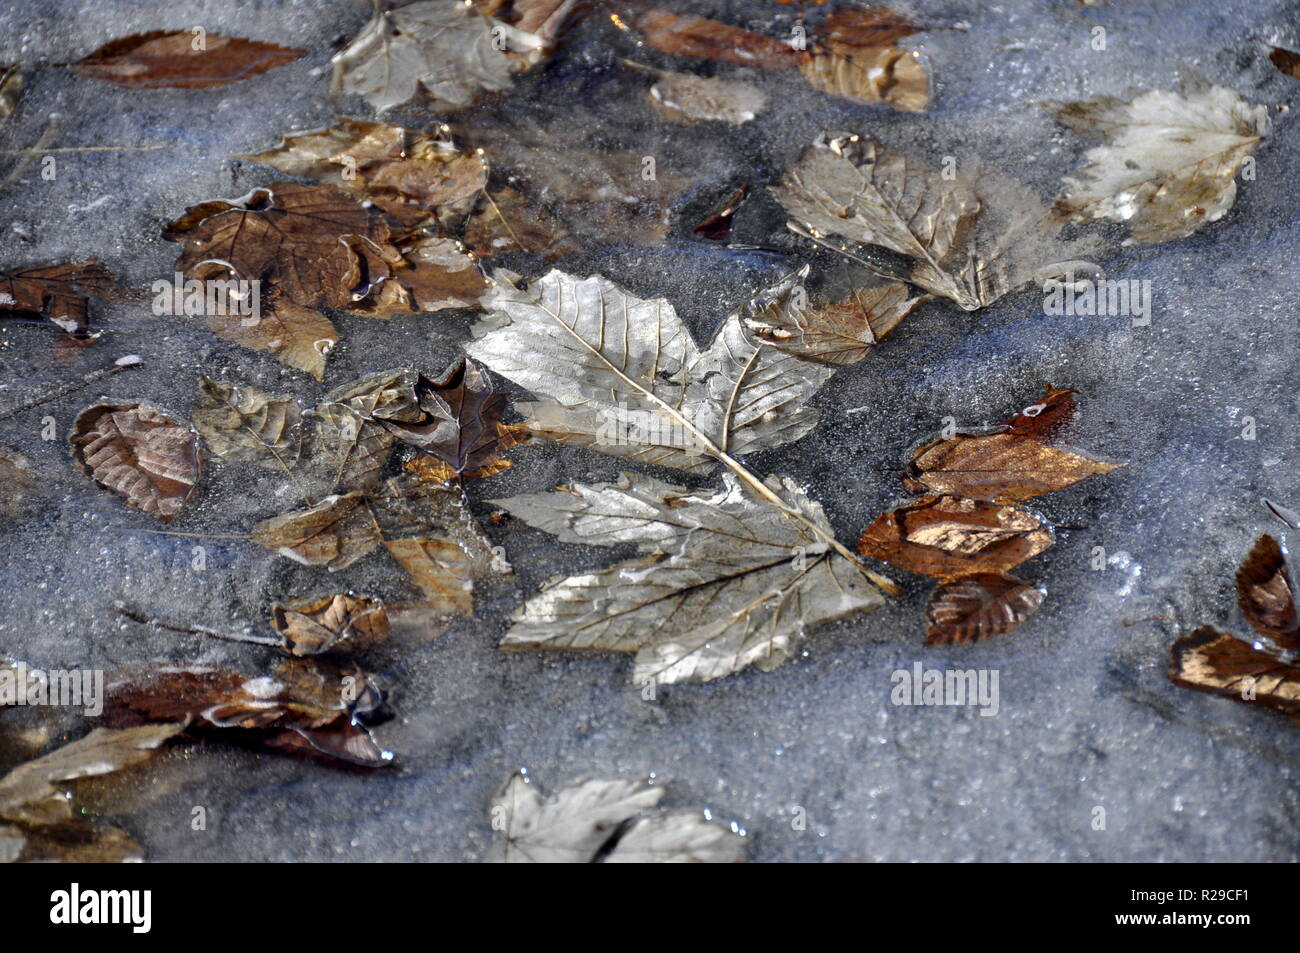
x: 685, y: 34
x: 243, y: 423
x: 1169, y: 161
x: 181, y: 59
x: 975, y: 607
x: 604, y: 821
x: 322, y: 625
x: 722, y: 582
x: 855, y: 55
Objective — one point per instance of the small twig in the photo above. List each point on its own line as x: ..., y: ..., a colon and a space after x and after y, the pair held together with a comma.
x: 143, y: 618
x: 121, y: 364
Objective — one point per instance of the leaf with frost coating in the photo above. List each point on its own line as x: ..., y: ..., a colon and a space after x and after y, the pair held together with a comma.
x: 1169, y: 161
x: 958, y: 246
x: 622, y: 374
x: 723, y: 582
x: 441, y: 45
x: 607, y: 821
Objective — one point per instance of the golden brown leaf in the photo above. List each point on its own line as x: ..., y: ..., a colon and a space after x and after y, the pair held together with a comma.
x: 947, y: 537
x: 181, y: 59
x: 334, y: 533
x: 440, y: 569
x: 856, y: 56
x: 322, y: 625
x: 1266, y: 593
x: 973, y: 608
x: 243, y: 423
x: 1212, y: 661
x: 999, y: 467
x: 690, y: 35
x: 134, y: 451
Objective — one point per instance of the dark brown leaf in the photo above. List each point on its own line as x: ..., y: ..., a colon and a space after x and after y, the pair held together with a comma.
x: 973, y: 608
x: 181, y: 59
x: 313, y: 628
x: 58, y: 294
x: 947, y: 537
x: 1043, y: 419
x: 133, y: 450
x: 999, y: 467
x: 1212, y: 661
x: 717, y: 227
x: 689, y: 35
x: 1266, y: 593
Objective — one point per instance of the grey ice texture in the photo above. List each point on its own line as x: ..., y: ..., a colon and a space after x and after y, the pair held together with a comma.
x: 1087, y: 717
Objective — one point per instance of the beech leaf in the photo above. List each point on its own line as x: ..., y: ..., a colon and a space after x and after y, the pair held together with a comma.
x: 976, y: 607
x: 181, y: 59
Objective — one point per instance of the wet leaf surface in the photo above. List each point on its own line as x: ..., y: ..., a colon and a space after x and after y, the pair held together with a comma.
x: 182, y: 59
x: 976, y: 607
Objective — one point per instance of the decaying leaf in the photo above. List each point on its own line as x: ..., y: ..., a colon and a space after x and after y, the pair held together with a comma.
x: 401, y: 170
x: 1169, y: 160
x: 605, y: 821
x: 242, y: 423
x: 440, y: 569
x: 459, y: 428
x: 683, y: 97
x: 1266, y: 594
x: 58, y: 294
x: 958, y: 246
x: 717, y: 227
x: 831, y: 332
x: 320, y: 626
x: 303, y: 706
x: 998, y: 467
x: 856, y: 55
x: 182, y: 59
x: 333, y: 533
x: 1287, y: 60
x: 136, y: 452
x: 622, y: 375
x: 15, y: 481
x: 506, y: 220
x: 688, y: 35
x: 11, y: 88
x: 37, y: 821
x: 947, y: 536
x: 1045, y: 417
x: 723, y: 582
x: 1212, y: 661
x: 447, y: 47
x: 973, y: 608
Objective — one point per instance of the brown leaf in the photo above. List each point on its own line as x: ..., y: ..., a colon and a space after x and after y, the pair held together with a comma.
x: 1286, y: 60
x: 399, y: 169
x: 1266, y: 593
x: 245, y: 424
x: 999, y: 467
x: 163, y: 59
x: 58, y: 294
x: 300, y: 337
x: 838, y: 332
x: 947, y: 536
x: 460, y: 425
x: 334, y: 533
x: 149, y: 460
x: 1043, y: 419
x: 432, y: 274
x: 321, y: 626
x: 1212, y: 661
x: 686, y: 98
x: 440, y: 569
x: 856, y: 56
x: 304, y: 705
x: 505, y: 221
x: 973, y: 608
x: 689, y: 35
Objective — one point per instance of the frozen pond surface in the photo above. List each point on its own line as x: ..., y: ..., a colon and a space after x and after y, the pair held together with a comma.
x: 1087, y: 717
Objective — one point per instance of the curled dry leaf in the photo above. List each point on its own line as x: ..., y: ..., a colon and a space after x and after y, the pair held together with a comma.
x: 947, y: 536
x: 723, y: 582
x: 1169, y: 160
x: 37, y: 821
x: 304, y: 706
x: 1266, y: 594
x: 1212, y: 661
x: 459, y: 427
x: 998, y: 467
x: 333, y: 533
x: 181, y: 59
x: 313, y: 628
x: 976, y: 607
x: 242, y: 423
x: 134, y: 451
x: 957, y: 245
x: 448, y: 48
x: 404, y: 172
x: 717, y: 227
x: 1045, y: 417
x: 856, y: 56
x: 689, y: 35
x: 830, y: 332
x: 622, y: 375
x: 604, y: 821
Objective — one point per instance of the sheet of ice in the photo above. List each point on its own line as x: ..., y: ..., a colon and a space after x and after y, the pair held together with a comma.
x: 1087, y: 718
